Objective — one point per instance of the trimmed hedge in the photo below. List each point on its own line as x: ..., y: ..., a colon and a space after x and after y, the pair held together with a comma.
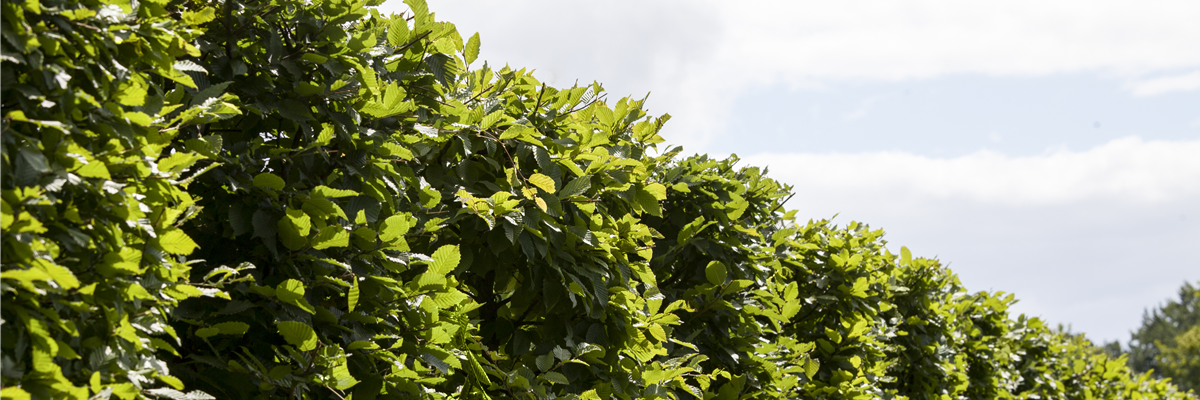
x: 310, y: 200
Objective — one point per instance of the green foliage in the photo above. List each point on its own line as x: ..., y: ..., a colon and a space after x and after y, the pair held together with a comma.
x: 94, y: 262
x: 310, y: 200
x: 1167, y: 345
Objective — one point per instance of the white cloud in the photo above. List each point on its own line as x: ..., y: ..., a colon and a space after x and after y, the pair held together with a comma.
x: 696, y: 57
x: 1157, y: 86
x: 1128, y: 170
x: 1085, y: 238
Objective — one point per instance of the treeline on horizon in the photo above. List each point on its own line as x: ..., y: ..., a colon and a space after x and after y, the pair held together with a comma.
x: 308, y: 199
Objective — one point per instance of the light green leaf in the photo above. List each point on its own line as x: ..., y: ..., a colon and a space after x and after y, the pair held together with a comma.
x: 291, y: 291
x: 300, y: 220
x: 14, y: 393
x: 657, y: 190
x: 332, y: 236
x: 445, y: 259
x: 397, y: 32
x: 715, y: 272
x: 491, y: 119
x: 471, y: 52
x: 174, y: 241
x: 199, y: 17
x: 543, y: 182
x: 329, y: 192
x: 394, y: 227
x: 298, y: 334
x: 61, y: 275
x: 352, y: 296
x: 325, y: 136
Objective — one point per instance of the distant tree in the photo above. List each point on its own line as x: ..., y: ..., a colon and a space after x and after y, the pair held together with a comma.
x: 1168, y: 341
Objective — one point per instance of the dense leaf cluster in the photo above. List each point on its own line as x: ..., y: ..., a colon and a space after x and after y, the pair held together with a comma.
x: 300, y: 199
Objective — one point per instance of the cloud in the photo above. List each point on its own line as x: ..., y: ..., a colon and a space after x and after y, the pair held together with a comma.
x: 1086, y: 238
x: 1157, y: 86
x: 1129, y: 170
x: 697, y: 57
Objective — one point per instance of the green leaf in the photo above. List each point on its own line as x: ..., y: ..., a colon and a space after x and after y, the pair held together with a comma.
x: 394, y: 227
x: 545, y: 361
x: 62, y: 276
x: 657, y: 190
x: 199, y: 17
x: 471, y: 52
x: 810, y: 368
x: 543, y: 182
x: 352, y: 297
x: 331, y: 236
x: 174, y: 241
x: 208, y: 332
x: 325, y: 136
x: 326, y: 191
x: 445, y: 259
x: 298, y: 334
x: 232, y: 328
x: 291, y: 291
x: 398, y: 32
x: 556, y: 377
x: 715, y: 272
x: 577, y: 186
x: 14, y: 393
x: 268, y: 180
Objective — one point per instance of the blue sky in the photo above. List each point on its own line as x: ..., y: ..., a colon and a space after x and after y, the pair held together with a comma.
x: 1046, y: 149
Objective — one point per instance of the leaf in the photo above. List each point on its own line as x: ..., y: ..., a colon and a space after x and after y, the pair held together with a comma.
x: 577, y: 186
x: 208, y: 332
x: 174, y: 241
x: 199, y: 17
x: 545, y: 361
x: 556, y: 377
x: 543, y: 182
x: 398, y: 32
x: 268, y: 180
x: 394, y: 227
x: 811, y: 367
x: 14, y: 393
x: 352, y: 296
x: 331, y: 236
x: 298, y: 334
x: 178, y: 395
x: 715, y: 272
x: 232, y: 328
x: 325, y: 136
x: 62, y: 276
x: 657, y: 190
x: 445, y: 259
x: 291, y: 291
x: 471, y: 52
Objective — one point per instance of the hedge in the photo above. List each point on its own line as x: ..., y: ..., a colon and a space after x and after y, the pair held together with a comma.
x: 298, y: 199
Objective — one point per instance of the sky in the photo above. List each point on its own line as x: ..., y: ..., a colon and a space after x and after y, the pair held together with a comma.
x: 1045, y: 149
